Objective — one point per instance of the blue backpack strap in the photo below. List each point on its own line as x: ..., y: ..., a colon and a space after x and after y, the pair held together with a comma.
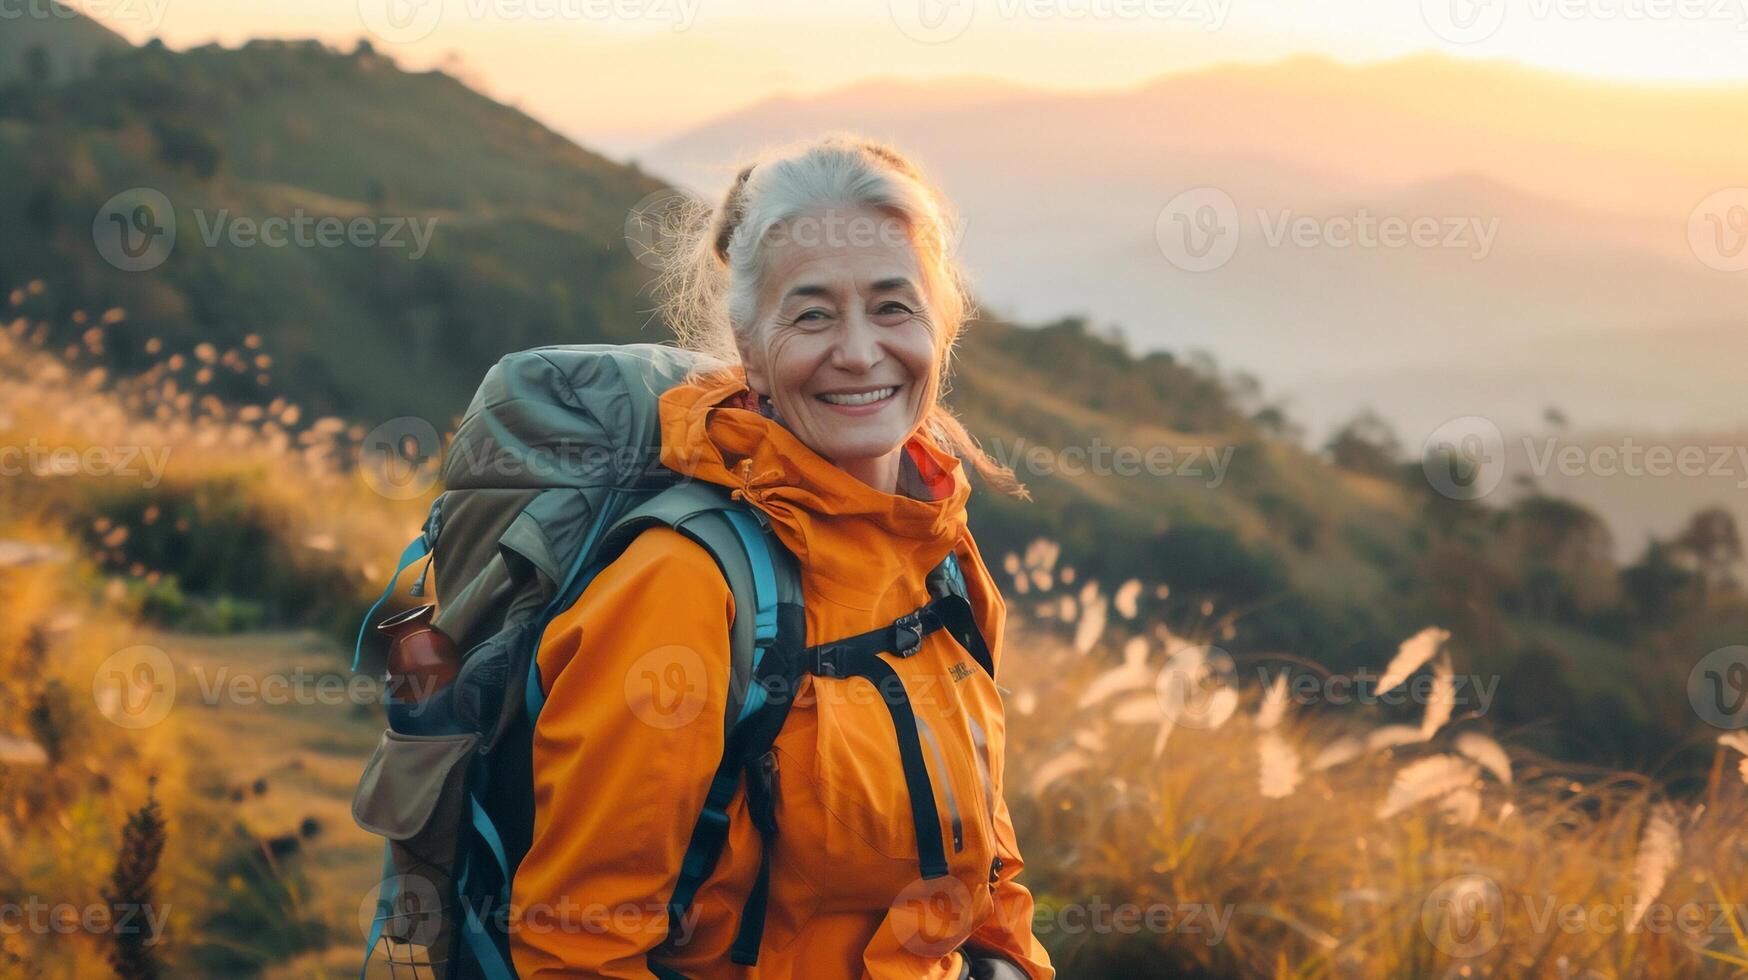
x: 752, y: 535
x: 416, y: 549
x: 389, y: 887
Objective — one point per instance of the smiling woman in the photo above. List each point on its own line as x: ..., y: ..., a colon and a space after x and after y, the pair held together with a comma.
x: 827, y: 273
x: 871, y: 838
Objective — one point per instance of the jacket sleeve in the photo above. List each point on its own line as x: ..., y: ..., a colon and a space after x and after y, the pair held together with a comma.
x: 1007, y: 932
x: 637, y: 683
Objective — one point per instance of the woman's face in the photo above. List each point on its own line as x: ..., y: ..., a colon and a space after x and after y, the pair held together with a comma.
x: 843, y: 343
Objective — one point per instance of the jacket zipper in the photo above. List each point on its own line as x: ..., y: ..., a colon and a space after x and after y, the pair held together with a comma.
x: 947, y: 783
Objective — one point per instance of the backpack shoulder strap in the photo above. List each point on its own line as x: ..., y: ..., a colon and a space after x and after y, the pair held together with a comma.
x: 765, y: 640
x: 759, y: 571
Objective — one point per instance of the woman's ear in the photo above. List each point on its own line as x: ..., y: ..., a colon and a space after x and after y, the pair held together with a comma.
x: 752, y: 360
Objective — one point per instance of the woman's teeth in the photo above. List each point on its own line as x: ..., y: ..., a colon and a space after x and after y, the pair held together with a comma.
x: 863, y: 398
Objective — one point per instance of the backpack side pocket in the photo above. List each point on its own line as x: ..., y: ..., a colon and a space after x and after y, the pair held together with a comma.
x: 414, y: 793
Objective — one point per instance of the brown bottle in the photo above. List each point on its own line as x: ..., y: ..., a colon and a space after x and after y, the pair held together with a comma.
x: 422, y: 660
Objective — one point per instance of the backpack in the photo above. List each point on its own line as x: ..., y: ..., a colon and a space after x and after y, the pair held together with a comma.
x: 553, y: 470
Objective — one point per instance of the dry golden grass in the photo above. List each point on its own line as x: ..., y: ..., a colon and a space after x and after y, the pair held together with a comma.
x: 1426, y: 858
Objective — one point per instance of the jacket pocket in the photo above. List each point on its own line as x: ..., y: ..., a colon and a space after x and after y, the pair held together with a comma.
x: 413, y: 792
x: 859, y: 775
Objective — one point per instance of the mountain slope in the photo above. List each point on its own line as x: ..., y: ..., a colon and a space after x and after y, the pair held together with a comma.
x: 69, y: 44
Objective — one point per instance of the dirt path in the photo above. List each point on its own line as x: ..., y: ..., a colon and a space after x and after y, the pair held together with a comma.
x: 287, y: 707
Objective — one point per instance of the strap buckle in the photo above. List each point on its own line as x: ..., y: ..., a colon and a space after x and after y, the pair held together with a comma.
x: 907, y: 634
x: 826, y: 661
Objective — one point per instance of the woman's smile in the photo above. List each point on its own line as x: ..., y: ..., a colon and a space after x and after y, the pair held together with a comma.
x: 864, y: 401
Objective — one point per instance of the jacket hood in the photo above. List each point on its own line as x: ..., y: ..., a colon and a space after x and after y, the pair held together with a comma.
x: 852, y: 541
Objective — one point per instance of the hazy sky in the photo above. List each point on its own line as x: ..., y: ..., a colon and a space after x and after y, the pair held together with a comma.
x: 617, y: 74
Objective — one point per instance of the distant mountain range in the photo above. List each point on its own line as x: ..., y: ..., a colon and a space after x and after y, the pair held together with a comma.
x: 1580, y: 191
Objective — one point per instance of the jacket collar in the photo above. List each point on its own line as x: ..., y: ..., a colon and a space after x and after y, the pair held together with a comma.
x: 853, y: 541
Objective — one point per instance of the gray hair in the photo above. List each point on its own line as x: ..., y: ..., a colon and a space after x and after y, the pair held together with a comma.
x: 715, y: 256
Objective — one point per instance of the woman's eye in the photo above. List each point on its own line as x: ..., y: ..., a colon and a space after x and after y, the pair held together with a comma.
x: 812, y: 316
x: 894, y: 308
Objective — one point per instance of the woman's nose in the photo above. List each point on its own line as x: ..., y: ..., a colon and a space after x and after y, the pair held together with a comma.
x: 858, y: 346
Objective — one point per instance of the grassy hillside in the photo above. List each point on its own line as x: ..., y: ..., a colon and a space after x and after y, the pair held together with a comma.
x: 525, y: 241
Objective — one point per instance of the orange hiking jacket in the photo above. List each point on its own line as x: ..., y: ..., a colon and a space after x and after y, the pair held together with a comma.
x: 636, y: 675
